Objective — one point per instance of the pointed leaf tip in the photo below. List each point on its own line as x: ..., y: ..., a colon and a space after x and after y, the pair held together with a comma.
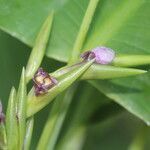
x: 11, y: 121
x: 39, y: 48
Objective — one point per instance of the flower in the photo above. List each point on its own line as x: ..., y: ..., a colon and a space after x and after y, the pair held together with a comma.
x: 2, y: 116
x: 43, y: 82
x: 102, y: 55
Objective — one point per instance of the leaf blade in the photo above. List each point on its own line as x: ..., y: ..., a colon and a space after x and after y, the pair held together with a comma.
x: 11, y: 121
x: 21, y: 109
x: 39, y: 48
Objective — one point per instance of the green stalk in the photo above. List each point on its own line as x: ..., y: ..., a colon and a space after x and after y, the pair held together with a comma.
x: 55, y: 120
x: 11, y: 122
x: 83, y: 30
x: 21, y: 110
x: 28, y: 136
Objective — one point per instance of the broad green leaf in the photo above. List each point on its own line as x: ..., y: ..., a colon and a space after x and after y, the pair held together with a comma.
x: 115, y: 133
x: 132, y: 93
x: 11, y: 122
x: 39, y: 48
x: 23, y: 20
x: 113, y: 25
x: 21, y: 108
x: 109, y: 72
x: 28, y: 135
x: 35, y: 103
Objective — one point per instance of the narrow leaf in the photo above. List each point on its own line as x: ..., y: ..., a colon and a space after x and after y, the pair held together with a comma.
x: 35, y: 103
x: 39, y: 48
x: 22, y: 108
x: 11, y: 121
x: 109, y: 72
x: 28, y: 136
x: 100, y: 71
x: 83, y: 30
x: 131, y: 60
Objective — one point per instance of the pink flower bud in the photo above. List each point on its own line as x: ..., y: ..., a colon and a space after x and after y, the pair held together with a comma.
x: 102, y: 55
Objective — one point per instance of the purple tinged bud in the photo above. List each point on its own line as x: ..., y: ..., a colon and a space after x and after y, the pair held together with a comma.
x: 2, y: 116
x: 102, y: 55
x: 43, y: 82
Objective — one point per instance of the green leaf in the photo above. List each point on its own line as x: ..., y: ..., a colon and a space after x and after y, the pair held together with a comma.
x: 11, y: 121
x: 25, y: 21
x: 112, y: 25
x: 113, y: 134
x: 131, y: 93
x: 21, y: 108
x: 97, y: 71
x: 109, y: 72
x: 35, y: 103
x: 28, y: 136
x: 39, y: 48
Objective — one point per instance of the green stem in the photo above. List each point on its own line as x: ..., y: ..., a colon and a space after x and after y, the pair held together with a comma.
x: 83, y: 30
x: 55, y: 120
x: 29, y: 130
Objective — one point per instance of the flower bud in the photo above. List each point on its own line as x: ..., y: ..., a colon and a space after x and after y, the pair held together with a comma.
x: 102, y: 55
x: 43, y: 82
